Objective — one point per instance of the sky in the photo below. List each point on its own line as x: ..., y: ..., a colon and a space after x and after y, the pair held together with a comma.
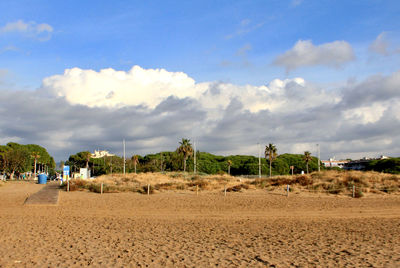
x: 228, y: 75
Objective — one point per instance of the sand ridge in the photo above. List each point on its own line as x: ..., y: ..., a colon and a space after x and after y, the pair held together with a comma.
x: 251, y: 229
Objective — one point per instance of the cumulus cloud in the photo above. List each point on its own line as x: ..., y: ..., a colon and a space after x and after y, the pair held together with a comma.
x: 150, y: 87
x: 223, y: 118
x: 305, y: 53
x: 112, y: 88
x: 40, y: 31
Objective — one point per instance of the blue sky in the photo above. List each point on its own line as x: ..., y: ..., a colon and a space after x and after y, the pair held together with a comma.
x: 332, y: 48
x: 200, y: 38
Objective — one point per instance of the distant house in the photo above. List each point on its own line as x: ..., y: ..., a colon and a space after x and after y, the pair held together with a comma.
x: 334, y: 163
x: 100, y: 154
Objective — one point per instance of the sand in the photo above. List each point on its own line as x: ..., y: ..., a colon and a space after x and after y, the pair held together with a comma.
x: 250, y: 229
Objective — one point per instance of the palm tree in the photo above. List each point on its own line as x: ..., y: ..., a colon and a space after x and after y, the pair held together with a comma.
x: 307, y: 158
x: 35, y: 156
x: 270, y: 154
x: 135, y: 160
x: 229, y: 166
x: 185, y: 149
x: 87, y: 155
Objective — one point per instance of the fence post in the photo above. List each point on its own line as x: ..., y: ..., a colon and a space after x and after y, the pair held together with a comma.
x: 287, y: 189
x: 354, y: 191
x: 67, y: 185
x: 197, y: 189
x: 101, y: 188
x: 148, y: 189
x: 225, y: 190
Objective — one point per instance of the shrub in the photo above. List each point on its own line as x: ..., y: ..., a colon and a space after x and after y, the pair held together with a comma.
x: 390, y: 189
x: 303, y: 180
x: 74, y: 185
x: 201, y: 183
x: 358, y: 193
x: 237, y: 188
x: 260, y: 183
x: 144, y: 189
x: 282, y: 180
x: 96, y: 188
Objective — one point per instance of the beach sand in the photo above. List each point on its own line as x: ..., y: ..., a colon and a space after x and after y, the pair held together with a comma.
x: 250, y: 229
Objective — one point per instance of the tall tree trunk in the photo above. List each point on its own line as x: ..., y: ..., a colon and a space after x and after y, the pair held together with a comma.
x: 229, y: 170
x: 307, y: 167
x: 184, y: 164
x: 135, y: 167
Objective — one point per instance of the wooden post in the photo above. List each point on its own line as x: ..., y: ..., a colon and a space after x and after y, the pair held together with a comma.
x: 225, y: 190
x: 67, y: 184
x: 287, y: 189
x: 197, y: 189
x: 354, y: 191
x: 148, y: 189
x: 101, y: 188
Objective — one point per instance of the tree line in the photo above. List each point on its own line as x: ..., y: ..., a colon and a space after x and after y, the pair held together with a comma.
x: 182, y: 159
x: 18, y: 159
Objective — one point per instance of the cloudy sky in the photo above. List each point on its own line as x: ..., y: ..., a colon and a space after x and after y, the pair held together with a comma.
x: 83, y: 75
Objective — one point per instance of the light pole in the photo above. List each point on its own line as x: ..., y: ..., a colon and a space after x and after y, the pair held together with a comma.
x: 123, y: 141
x: 259, y: 160
x: 319, y: 168
x: 195, y: 163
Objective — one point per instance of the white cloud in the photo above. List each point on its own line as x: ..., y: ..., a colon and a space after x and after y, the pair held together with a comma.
x: 243, y: 50
x: 150, y: 87
x: 305, y: 53
x: 41, y: 31
x: 366, y: 114
x: 153, y: 108
x: 111, y: 88
x: 382, y: 45
x: 246, y: 26
x: 8, y: 48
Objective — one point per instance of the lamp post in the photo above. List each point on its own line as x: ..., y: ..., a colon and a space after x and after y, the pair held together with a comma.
x: 318, y: 150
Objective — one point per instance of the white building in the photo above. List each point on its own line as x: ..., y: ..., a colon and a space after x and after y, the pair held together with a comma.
x: 334, y: 163
x: 100, y: 154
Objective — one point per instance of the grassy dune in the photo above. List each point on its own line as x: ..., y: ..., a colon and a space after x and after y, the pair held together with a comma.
x: 330, y: 182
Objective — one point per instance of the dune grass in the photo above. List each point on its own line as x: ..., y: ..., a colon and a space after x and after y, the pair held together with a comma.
x: 330, y: 182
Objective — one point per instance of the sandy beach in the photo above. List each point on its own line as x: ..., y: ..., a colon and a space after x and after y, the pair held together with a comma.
x: 180, y: 229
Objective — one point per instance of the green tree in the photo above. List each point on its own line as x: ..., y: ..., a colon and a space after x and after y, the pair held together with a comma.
x: 3, y: 159
x: 307, y: 158
x: 17, y: 161
x: 185, y: 150
x: 270, y: 154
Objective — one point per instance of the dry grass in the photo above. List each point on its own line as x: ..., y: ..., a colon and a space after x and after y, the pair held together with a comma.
x: 336, y: 182
x: 331, y: 182
x: 176, y: 181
